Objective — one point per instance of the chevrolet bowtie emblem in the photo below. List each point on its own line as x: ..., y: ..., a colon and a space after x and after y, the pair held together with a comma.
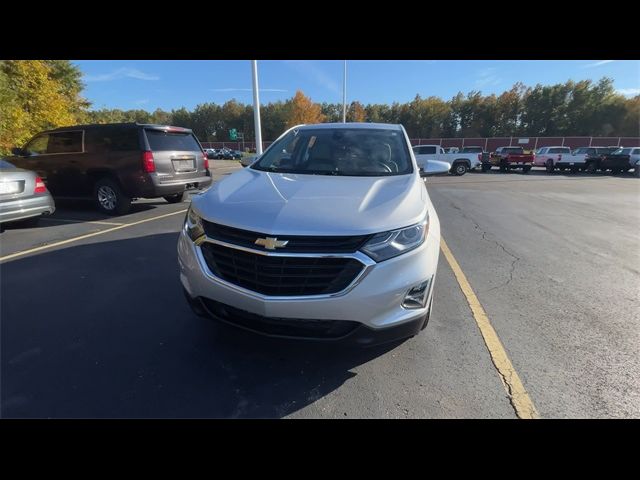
x: 271, y: 243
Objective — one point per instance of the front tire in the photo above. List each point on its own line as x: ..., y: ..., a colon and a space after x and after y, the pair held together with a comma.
x: 486, y: 167
x: 175, y: 198
x: 526, y: 169
x: 591, y: 168
x: 110, y: 198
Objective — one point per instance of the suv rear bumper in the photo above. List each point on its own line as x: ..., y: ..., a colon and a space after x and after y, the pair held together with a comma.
x: 151, y: 186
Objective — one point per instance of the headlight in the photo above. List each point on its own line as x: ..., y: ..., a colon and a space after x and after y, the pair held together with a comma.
x: 193, y: 226
x: 391, y: 244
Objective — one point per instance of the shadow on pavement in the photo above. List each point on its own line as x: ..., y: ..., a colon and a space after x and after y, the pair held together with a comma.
x: 103, y: 330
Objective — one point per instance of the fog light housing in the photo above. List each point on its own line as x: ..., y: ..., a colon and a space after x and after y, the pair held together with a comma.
x: 417, y: 296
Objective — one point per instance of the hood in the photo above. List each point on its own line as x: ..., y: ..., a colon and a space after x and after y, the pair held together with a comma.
x: 293, y: 204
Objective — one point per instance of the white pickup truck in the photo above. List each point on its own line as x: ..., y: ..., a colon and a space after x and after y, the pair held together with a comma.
x: 460, y: 162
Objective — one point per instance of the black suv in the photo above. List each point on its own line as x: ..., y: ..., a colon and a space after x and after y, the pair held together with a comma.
x: 117, y: 163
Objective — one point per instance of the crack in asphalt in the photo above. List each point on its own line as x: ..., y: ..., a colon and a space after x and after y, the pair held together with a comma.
x: 516, y: 259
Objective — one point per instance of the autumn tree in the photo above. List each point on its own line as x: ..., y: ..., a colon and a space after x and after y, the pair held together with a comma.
x: 36, y: 95
x: 300, y: 109
x: 356, y: 112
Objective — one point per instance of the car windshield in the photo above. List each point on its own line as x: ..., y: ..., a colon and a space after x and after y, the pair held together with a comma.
x: 160, y: 140
x: 339, y: 151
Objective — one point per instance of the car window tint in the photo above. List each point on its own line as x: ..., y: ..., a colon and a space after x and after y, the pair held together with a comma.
x: 160, y: 140
x: 65, y: 142
x: 38, y: 145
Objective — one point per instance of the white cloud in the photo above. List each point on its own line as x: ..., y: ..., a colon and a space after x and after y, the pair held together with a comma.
x: 487, y: 77
x: 248, y: 90
x: 144, y: 101
x: 597, y: 64
x: 628, y: 92
x: 120, y: 73
x: 316, y: 74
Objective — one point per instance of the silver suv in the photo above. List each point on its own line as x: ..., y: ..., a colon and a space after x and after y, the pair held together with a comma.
x: 330, y: 234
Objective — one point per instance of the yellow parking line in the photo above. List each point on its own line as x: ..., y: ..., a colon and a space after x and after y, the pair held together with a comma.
x: 519, y: 397
x: 66, y: 220
x: 89, y: 235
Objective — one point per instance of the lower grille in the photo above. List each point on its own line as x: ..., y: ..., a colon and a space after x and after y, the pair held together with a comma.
x: 280, y: 276
x: 282, y: 327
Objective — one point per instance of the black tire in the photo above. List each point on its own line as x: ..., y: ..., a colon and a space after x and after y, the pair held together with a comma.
x: 503, y: 168
x: 549, y: 166
x: 526, y: 169
x: 110, y: 198
x: 486, y: 167
x: 636, y: 172
x: 574, y: 169
x: 591, y: 168
x: 175, y: 198
x: 459, y: 168
x: 562, y: 169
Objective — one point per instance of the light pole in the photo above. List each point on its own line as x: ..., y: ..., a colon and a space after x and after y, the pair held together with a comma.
x: 344, y: 94
x: 256, y: 107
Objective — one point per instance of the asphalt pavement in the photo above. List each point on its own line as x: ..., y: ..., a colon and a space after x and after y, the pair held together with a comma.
x: 98, y: 326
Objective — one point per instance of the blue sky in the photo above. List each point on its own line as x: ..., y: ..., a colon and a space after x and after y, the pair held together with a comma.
x: 168, y: 84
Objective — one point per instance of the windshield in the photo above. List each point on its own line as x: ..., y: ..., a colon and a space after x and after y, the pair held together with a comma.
x: 339, y: 151
x: 160, y: 140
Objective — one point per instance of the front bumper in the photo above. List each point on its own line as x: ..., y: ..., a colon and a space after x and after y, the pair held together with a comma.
x: 22, y: 209
x: 374, y: 303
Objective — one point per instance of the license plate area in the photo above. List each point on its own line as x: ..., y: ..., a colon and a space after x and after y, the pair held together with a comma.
x: 184, y: 164
x: 12, y: 187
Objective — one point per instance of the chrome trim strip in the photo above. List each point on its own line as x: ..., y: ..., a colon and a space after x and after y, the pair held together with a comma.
x: 361, y: 257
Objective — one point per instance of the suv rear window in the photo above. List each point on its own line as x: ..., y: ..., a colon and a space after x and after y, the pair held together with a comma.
x: 566, y: 150
x: 516, y: 150
x: 160, y: 140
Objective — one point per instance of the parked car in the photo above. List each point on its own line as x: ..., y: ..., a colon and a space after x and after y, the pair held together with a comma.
x: 117, y: 163
x: 508, y: 158
x: 23, y: 195
x: 460, y: 162
x: 621, y: 160
x: 211, y: 153
x: 553, y: 157
x: 329, y: 235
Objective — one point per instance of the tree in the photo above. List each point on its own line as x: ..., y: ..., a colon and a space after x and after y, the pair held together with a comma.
x: 36, y: 95
x: 356, y: 112
x: 300, y: 109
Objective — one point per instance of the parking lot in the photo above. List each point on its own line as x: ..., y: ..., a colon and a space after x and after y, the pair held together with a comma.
x: 94, y: 323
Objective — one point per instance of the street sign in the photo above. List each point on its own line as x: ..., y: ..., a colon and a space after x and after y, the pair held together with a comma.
x: 233, y: 134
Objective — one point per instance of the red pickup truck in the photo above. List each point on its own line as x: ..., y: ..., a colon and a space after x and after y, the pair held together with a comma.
x: 507, y: 158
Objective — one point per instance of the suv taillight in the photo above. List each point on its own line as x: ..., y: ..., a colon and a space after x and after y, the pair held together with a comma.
x: 148, y: 165
x: 206, y: 161
x: 40, y: 186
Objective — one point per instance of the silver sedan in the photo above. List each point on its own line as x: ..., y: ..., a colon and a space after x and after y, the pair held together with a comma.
x: 23, y: 195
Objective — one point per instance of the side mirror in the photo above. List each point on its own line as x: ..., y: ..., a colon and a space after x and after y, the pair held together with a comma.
x: 435, y: 167
x: 18, y: 151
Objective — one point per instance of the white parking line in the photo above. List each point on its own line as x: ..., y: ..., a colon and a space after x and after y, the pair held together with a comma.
x: 66, y: 220
x: 88, y: 235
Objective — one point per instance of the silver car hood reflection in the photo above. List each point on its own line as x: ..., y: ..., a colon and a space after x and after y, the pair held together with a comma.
x: 295, y: 204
